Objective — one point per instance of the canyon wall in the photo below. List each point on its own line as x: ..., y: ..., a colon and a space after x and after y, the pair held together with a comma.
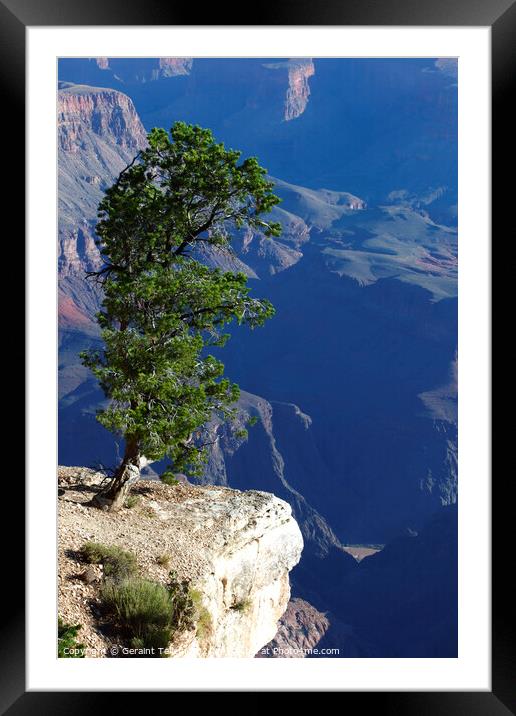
x: 99, y: 133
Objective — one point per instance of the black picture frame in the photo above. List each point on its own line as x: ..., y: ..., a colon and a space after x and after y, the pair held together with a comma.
x: 500, y: 15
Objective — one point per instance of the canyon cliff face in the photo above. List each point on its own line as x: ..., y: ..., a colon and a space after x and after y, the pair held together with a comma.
x: 234, y: 548
x: 174, y: 66
x: 106, y: 113
x: 99, y: 133
x: 246, y: 588
x: 305, y: 632
x: 292, y: 80
x: 299, y: 72
x: 300, y: 629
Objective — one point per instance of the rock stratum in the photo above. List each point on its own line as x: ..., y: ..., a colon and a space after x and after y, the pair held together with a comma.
x: 99, y: 133
x: 298, y: 71
x: 305, y: 632
x: 235, y: 548
x: 298, y: 87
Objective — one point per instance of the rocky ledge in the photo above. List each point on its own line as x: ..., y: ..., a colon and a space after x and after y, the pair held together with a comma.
x: 235, y: 548
x: 104, y: 112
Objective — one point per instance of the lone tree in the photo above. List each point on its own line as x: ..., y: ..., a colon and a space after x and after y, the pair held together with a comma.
x: 162, y: 308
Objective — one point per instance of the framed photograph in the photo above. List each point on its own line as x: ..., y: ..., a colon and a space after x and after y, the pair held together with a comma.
x: 259, y: 336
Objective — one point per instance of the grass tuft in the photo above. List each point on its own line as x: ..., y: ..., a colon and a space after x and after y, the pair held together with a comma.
x: 131, y: 501
x: 118, y: 563
x: 149, y: 614
x: 163, y: 560
x: 203, y: 620
x: 242, y: 606
x: 67, y: 645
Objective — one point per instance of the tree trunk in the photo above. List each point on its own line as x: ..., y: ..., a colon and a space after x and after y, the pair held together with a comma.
x: 113, y: 497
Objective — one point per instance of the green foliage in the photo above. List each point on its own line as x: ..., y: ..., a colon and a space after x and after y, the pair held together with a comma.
x: 169, y: 478
x: 67, y: 645
x: 118, y: 563
x: 242, y: 606
x: 163, y: 560
x: 149, y: 613
x: 142, y: 609
x: 183, y: 613
x: 203, y: 620
x: 162, y: 308
x: 131, y: 501
x: 241, y: 433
